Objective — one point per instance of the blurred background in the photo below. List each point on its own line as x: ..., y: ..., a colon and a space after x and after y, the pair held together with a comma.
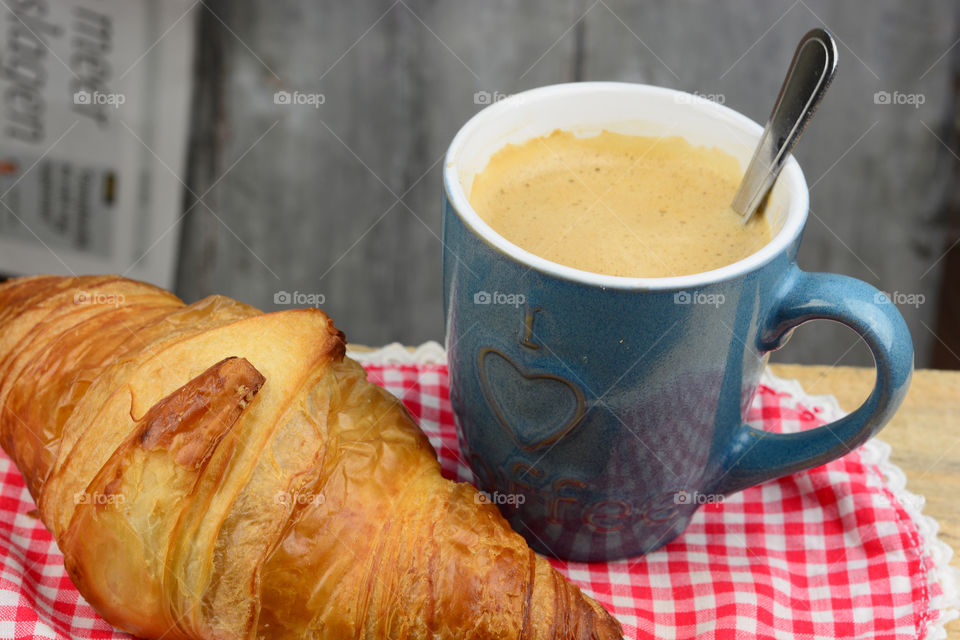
x: 313, y: 135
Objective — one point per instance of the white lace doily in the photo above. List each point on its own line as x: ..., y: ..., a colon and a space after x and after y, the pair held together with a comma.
x: 875, y: 452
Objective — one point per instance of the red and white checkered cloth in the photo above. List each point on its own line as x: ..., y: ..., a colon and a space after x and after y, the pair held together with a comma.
x: 828, y: 553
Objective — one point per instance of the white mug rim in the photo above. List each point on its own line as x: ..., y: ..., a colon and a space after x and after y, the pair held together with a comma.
x: 796, y: 213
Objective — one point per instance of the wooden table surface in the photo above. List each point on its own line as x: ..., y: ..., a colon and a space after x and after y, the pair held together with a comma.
x: 924, y: 436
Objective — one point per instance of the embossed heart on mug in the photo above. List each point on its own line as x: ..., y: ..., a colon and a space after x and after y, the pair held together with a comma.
x: 536, y: 409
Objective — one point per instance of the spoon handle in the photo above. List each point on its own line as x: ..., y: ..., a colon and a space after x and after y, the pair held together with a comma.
x: 811, y: 71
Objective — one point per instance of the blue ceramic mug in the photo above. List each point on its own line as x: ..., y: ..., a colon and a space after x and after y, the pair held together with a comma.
x: 597, y: 410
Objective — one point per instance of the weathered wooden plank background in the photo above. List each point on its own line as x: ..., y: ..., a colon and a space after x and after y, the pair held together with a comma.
x: 343, y: 200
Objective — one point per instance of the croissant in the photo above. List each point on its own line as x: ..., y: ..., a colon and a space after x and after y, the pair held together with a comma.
x: 211, y: 471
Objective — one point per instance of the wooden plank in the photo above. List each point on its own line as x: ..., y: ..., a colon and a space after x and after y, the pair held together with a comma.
x: 312, y: 206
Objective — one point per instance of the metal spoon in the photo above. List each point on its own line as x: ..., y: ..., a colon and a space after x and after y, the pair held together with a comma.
x: 811, y: 71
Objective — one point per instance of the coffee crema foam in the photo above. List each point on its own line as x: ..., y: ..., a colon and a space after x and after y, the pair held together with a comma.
x: 618, y: 204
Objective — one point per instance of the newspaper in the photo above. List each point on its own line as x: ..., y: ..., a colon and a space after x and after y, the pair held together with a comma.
x: 94, y: 100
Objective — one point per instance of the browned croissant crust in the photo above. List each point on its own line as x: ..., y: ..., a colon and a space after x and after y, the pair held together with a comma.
x: 210, y: 471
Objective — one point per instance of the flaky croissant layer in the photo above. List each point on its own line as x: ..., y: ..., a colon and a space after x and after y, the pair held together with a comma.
x: 210, y: 471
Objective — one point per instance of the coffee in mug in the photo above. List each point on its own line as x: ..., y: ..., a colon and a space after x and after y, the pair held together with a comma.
x: 619, y: 204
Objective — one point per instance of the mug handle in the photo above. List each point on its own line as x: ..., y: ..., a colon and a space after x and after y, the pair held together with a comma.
x: 756, y: 455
